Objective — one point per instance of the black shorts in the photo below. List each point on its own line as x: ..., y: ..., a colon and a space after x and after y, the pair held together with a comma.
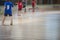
x: 20, y: 9
x: 6, y: 14
x: 24, y: 4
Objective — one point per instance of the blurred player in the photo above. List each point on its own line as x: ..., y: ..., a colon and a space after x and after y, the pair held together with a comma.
x: 8, y: 11
x: 24, y: 5
x: 33, y: 5
x: 20, y: 6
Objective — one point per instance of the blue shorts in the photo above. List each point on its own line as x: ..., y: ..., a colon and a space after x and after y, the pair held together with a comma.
x: 7, y: 13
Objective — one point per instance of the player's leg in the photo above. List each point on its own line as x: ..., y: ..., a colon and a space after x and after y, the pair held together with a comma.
x: 4, y: 17
x: 11, y: 23
x: 21, y: 11
x: 3, y: 20
x: 25, y: 8
x: 33, y: 7
x: 18, y: 11
x: 11, y: 20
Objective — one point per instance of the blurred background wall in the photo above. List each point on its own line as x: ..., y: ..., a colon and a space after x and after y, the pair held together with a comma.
x: 38, y: 1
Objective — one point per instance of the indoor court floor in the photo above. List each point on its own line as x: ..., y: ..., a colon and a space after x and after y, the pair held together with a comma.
x: 42, y: 25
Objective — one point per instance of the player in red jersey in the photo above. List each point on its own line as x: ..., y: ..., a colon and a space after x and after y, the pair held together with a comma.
x: 33, y: 5
x: 20, y: 6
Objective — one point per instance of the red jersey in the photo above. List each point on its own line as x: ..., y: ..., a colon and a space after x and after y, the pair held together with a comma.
x: 33, y: 3
x: 20, y: 5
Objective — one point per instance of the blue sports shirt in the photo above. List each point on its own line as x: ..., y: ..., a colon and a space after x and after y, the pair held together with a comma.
x: 8, y: 7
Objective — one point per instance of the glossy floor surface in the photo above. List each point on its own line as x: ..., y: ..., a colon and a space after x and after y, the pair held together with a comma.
x: 42, y: 25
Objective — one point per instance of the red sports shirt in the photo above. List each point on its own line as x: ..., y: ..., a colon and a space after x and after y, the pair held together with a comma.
x: 20, y: 5
x: 33, y: 3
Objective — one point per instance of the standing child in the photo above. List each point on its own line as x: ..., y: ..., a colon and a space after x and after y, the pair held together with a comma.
x: 20, y: 6
x: 8, y: 11
x: 33, y: 5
